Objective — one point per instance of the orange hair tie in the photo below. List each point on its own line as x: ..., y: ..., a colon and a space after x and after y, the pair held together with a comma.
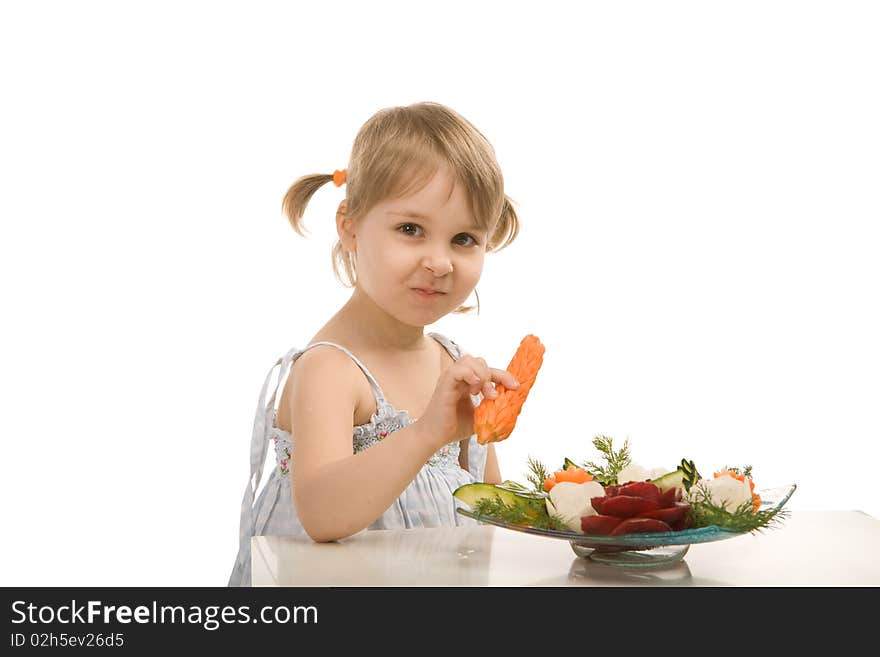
x: 339, y: 177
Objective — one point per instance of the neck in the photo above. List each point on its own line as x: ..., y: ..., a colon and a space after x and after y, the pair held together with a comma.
x: 377, y: 330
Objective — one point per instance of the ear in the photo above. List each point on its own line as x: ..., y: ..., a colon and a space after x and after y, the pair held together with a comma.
x: 345, y: 227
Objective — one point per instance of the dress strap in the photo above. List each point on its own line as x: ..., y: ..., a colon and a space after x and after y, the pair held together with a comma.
x: 377, y: 390
x: 259, y: 445
x: 454, y: 350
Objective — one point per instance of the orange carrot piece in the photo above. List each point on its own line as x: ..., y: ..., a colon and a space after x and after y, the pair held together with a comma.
x: 574, y: 474
x: 495, y: 419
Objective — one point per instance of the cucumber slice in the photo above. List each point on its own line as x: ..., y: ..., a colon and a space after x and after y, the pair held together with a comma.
x: 470, y: 494
x: 684, y: 476
x: 674, y: 479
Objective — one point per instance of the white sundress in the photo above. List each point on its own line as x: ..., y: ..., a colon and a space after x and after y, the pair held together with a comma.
x: 426, y: 502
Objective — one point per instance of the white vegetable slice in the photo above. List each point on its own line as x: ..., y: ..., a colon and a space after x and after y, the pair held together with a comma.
x: 571, y: 501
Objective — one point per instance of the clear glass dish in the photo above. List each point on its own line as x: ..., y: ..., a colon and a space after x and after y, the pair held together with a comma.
x: 642, y: 549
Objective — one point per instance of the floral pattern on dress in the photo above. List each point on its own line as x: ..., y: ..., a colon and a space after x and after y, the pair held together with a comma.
x: 381, y: 424
x: 282, y: 450
x: 385, y: 421
x: 445, y: 456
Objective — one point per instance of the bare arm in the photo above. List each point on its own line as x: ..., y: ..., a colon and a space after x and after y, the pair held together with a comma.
x: 338, y: 493
x: 492, y: 473
x: 340, y: 497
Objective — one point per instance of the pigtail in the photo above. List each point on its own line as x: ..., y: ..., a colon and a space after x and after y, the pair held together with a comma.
x: 507, y: 227
x: 297, y: 198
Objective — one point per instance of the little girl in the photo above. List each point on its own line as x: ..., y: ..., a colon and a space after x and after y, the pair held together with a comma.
x: 374, y: 425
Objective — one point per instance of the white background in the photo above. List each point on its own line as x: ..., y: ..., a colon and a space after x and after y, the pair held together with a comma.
x: 698, y: 189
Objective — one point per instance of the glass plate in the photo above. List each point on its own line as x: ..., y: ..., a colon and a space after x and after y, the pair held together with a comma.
x: 642, y: 549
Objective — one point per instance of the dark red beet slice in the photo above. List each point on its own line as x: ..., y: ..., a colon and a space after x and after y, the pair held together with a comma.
x: 627, y: 506
x: 599, y: 524
x: 669, y: 497
x: 640, y: 489
x: 672, y: 516
x: 640, y: 526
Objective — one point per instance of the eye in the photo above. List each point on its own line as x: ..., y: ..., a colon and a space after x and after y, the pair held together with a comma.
x: 405, y: 228
x: 402, y: 226
x: 473, y: 239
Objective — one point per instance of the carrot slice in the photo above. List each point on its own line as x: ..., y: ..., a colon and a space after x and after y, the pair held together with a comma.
x: 495, y: 419
x: 574, y: 474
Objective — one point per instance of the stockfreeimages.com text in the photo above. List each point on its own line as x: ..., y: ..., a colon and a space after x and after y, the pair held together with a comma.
x: 210, y: 617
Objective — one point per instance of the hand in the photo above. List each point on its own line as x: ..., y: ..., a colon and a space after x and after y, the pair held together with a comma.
x: 449, y: 416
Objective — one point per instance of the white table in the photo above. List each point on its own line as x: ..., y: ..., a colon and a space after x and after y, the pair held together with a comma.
x: 810, y: 548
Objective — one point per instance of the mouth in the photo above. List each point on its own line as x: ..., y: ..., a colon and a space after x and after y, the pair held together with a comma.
x: 428, y: 292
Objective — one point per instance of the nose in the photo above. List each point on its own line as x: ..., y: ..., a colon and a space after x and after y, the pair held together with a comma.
x: 437, y: 261
x: 438, y: 265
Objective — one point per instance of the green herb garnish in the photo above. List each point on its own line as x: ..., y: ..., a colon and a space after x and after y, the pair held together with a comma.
x: 538, y: 475
x: 745, y: 470
x: 704, y: 512
x: 615, y: 460
x: 525, y: 512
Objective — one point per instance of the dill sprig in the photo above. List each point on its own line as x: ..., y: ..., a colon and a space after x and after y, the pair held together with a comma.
x: 532, y: 513
x: 538, y: 475
x: 519, y: 489
x: 745, y: 470
x: 615, y: 460
x: 704, y: 512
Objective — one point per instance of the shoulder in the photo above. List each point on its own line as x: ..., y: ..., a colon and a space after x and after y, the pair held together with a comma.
x: 325, y: 366
x: 319, y: 368
x: 321, y: 357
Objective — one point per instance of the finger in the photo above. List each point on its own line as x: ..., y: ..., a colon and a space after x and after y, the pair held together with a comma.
x: 463, y: 369
x: 477, y: 366
x: 467, y: 374
x: 477, y: 384
x: 505, y: 378
x: 489, y: 391
x: 485, y: 386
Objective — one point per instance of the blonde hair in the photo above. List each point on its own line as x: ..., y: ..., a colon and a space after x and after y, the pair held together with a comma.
x: 395, y: 153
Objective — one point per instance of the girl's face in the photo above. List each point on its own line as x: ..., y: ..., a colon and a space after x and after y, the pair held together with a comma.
x: 426, y: 241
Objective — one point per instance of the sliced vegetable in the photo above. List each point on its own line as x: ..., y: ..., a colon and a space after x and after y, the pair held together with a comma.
x: 684, y: 476
x: 756, y: 499
x: 675, y: 516
x: 643, y: 489
x: 670, y: 480
x: 470, y: 494
x: 640, y: 526
x: 572, y: 473
x: 571, y: 501
x: 627, y: 506
x: 599, y: 524
x: 495, y: 419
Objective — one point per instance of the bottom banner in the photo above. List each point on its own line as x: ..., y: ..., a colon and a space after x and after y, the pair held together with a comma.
x: 125, y: 619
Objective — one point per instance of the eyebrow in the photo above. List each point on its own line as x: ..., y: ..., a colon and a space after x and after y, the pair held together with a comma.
x: 412, y: 214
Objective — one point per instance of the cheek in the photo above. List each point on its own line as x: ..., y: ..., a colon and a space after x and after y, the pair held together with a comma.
x: 472, y: 269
